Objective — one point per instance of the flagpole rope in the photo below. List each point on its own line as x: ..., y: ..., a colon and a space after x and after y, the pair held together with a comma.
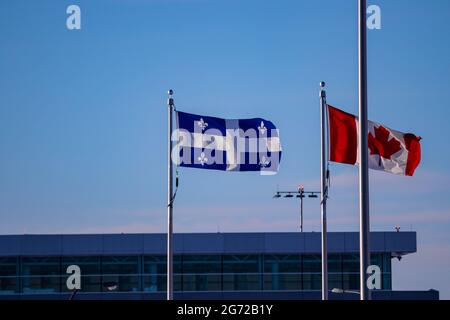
x: 172, y: 200
x: 327, y: 173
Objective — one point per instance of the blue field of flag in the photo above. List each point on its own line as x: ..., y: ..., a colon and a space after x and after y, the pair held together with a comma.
x: 205, y: 142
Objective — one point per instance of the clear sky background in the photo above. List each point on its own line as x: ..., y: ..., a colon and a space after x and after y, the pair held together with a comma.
x: 83, y: 115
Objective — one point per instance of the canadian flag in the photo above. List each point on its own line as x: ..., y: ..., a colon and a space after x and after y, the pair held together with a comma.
x: 389, y: 150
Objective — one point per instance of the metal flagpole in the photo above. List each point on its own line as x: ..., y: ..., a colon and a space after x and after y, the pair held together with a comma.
x: 364, y: 231
x: 170, y: 104
x: 323, y: 192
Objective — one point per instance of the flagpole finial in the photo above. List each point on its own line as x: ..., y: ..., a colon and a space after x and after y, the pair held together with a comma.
x: 170, y: 102
x: 322, y: 89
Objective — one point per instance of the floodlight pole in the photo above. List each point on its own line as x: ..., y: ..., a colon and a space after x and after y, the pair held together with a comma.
x: 300, y: 193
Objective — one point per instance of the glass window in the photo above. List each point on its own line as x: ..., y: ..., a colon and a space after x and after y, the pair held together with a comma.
x: 202, y: 272
x: 283, y: 281
x: 90, y: 272
x: 312, y: 281
x: 335, y: 263
x: 288, y: 263
x: 242, y: 272
x: 351, y: 281
x: 386, y: 281
x: 241, y: 264
x: 121, y: 273
x: 282, y: 272
x: 335, y: 281
x: 41, y: 274
x: 335, y: 271
x: 158, y: 283
x: 229, y: 272
x: 312, y: 272
x: 312, y: 263
x: 350, y: 262
x: 350, y: 268
x: 154, y: 273
x: 202, y: 264
x: 242, y: 282
x: 377, y: 259
x: 202, y: 282
x: 155, y: 264
x: 387, y: 263
x: 8, y: 275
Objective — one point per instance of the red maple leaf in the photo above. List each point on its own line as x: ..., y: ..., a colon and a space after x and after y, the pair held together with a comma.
x: 381, y: 145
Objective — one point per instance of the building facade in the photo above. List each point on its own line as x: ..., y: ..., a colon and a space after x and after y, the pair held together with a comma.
x: 206, y: 266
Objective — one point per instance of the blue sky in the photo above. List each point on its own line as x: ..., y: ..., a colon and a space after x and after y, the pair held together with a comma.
x: 83, y: 115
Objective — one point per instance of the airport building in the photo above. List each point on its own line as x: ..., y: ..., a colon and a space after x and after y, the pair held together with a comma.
x: 206, y: 266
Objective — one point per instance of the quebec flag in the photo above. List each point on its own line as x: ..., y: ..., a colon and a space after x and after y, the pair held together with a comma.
x: 229, y: 145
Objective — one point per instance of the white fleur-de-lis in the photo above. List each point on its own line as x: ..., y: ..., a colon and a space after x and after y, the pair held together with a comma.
x: 202, y: 124
x: 203, y: 159
x: 264, y: 162
x: 262, y: 128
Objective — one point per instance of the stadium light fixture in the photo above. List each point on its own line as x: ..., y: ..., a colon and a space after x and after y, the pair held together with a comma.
x: 299, y: 193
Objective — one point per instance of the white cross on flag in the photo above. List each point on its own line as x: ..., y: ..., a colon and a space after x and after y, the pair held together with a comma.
x: 389, y: 150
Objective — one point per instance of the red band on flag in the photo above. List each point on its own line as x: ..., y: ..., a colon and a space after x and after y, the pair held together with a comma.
x: 412, y: 143
x: 343, y: 136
